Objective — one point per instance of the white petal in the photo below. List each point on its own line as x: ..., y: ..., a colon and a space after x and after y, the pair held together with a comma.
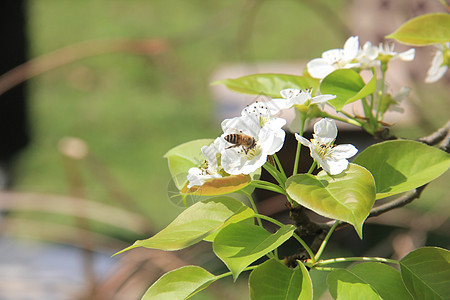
x: 336, y: 166
x: 344, y: 151
x: 301, y: 98
x: 351, y: 48
x: 276, y: 105
x: 319, y: 68
x: 270, y: 140
x: 235, y: 163
x: 407, y: 55
x: 302, y: 140
x: 289, y: 93
x: 436, y: 70
x: 325, y: 129
x: 322, y: 98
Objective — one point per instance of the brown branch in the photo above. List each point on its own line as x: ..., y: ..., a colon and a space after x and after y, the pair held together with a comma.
x: 436, y: 136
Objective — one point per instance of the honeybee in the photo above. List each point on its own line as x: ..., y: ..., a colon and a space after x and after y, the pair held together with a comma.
x: 239, y: 139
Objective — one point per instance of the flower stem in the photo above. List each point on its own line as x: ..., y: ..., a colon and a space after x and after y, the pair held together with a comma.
x: 299, y: 239
x: 275, y: 173
x: 299, y: 145
x: 255, y: 208
x: 325, y: 241
x: 351, y: 259
x: 268, y: 186
x: 313, y: 166
x: 280, y: 166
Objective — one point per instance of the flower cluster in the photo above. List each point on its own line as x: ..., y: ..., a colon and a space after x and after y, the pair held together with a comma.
x: 352, y: 56
x: 243, y: 147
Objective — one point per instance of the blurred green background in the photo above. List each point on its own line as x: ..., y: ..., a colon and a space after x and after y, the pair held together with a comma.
x: 132, y: 108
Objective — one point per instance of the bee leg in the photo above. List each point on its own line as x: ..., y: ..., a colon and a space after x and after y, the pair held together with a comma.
x: 232, y: 146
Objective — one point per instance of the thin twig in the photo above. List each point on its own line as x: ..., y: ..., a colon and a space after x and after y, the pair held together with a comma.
x: 436, y: 136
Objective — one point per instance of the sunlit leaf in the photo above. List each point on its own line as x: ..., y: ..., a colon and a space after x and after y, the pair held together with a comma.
x: 269, y: 84
x: 180, y: 284
x: 426, y: 273
x: 347, y: 85
x: 274, y: 281
x: 240, y: 244
x: 219, y: 186
x: 384, y: 281
x: 399, y: 166
x: 424, y: 30
x: 194, y: 224
x: 348, y: 196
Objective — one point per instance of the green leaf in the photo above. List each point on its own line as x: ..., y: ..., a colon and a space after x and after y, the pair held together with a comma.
x: 183, y: 157
x: 194, y: 224
x: 274, y: 281
x: 384, y: 280
x: 240, y: 244
x: 348, y: 86
x: 426, y: 273
x: 180, y: 284
x: 399, y: 166
x: 344, y: 285
x: 269, y: 84
x: 348, y: 196
x: 424, y: 30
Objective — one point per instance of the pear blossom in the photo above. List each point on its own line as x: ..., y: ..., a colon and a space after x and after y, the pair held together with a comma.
x: 439, y: 63
x: 386, y: 52
x: 332, y: 159
x: 210, y: 169
x: 293, y: 97
x: 257, y: 122
x: 398, y: 98
x: 334, y: 59
x: 371, y: 55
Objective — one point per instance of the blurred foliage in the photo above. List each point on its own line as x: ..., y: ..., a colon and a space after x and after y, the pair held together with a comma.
x: 131, y: 109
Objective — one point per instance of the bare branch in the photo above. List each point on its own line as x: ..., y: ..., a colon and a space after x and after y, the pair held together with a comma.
x: 436, y: 136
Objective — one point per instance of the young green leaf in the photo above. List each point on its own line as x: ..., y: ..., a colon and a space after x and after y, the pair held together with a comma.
x: 367, y: 280
x: 399, y: 166
x: 348, y: 86
x: 269, y: 84
x: 424, y: 30
x: 240, y: 244
x: 273, y: 280
x: 426, y: 273
x: 183, y: 157
x: 194, y: 224
x: 180, y: 284
x: 348, y: 196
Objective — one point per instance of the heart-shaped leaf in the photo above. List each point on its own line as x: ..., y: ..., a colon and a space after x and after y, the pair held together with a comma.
x: 426, y: 273
x: 240, y: 244
x: 194, y: 224
x: 347, y: 85
x: 367, y: 281
x: 399, y: 166
x: 424, y: 30
x: 180, y: 284
x: 269, y: 84
x: 274, y: 281
x: 348, y: 196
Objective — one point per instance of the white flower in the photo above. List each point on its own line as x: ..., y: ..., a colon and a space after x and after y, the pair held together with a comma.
x: 335, y: 59
x: 333, y: 159
x: 367, y: 56
x: 293, y: 97
x: 438, y: 64
x: 398, y: 98
x: 257, y: 123
x: 386, y: 52
x: 197, y: 176
x: 371, y: 55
